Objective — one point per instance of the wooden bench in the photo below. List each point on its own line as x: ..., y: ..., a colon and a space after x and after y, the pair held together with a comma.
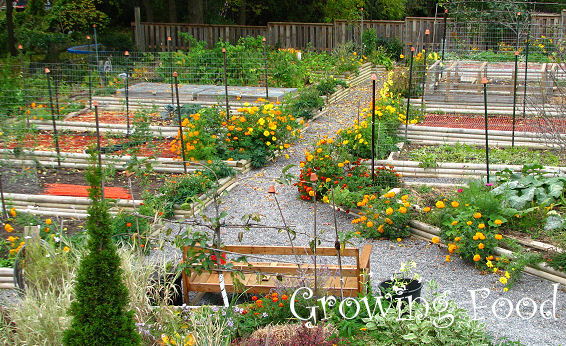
x: 355, y: 276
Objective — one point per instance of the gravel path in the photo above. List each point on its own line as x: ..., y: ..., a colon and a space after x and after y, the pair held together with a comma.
x: 456, y: 276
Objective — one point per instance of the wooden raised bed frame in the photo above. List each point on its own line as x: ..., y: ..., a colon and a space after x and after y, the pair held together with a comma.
x: 355, y: 276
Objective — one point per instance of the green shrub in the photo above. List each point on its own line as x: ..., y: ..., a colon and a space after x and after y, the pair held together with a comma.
x: 369, y: 39
x: 100, y: 315
x: 327, y: 86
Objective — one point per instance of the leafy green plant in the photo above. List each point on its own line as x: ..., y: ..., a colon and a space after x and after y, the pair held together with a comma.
x: 306, y: 104
x: 461, y: 330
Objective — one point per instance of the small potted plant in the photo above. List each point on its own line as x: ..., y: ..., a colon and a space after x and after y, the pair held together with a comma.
x: 403, y: 284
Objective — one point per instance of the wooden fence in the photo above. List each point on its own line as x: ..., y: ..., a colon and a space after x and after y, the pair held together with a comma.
x: 327, y: 36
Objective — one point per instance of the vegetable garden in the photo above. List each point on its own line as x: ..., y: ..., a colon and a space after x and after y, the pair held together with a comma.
x: 243, y: 194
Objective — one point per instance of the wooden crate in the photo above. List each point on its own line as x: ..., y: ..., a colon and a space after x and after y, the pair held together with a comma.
x: 355, y: 276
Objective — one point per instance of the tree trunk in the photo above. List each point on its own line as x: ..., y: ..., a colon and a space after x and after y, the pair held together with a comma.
x: 172, y: 11
x: 242, y: 14
x: 10, y: 28
x: 147, y: 6
x: 196, y: 12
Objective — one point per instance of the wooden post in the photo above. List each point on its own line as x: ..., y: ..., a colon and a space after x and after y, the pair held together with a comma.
x: 140, y: 39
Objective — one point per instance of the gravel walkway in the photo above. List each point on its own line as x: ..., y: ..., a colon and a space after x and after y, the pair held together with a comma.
x: 456, y: 276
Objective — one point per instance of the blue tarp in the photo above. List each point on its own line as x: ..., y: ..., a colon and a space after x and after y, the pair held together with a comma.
x: 85, y: 49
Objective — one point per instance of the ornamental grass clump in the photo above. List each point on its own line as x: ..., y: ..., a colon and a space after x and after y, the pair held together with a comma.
x: 99, y: 310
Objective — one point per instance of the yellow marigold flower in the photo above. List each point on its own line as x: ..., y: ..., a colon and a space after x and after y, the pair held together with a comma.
x: 503, y: 280
x: 404, y: 197
x: 48, y: 221
x: 481, y: 246
x: 447, y: 258
x: 389, y: 211
x: 452, y: 248
x: 390, y: 194
x: 457, y: 238
x: 8, y: 228
x: 481, y: 226
x: 477, y: 215
x: 266, y: 133
x: 403, y: 210
x: 498, y: 236
x: 469, y: 223
x: 311, y: 193
x: 325, y: 199
x: 489, y: 264
x: 66, y: 249
x: 388, y: 221
x: 505, y: 289
x: 426, y: 209
x: 340, y: 165
x: 399, y: 239
x: 435, y: 240
x: 440, y: 204
x: 477, y: 257
x: 507, y: 275
x: 481, y: 236
x: 455, y: 204
x: 369, y: 224
x: 13, y: 212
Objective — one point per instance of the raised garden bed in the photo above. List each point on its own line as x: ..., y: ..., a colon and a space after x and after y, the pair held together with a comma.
x: 428, y: 155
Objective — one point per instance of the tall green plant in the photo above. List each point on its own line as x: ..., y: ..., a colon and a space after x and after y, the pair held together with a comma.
x: 99, y: 309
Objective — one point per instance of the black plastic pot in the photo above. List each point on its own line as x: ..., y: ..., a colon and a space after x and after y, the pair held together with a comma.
x: 412, y: 289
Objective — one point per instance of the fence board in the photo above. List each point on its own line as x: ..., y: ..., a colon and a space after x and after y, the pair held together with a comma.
x: 326, y: 36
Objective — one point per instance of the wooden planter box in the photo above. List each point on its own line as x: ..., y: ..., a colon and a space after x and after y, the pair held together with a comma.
x: 355, y: 276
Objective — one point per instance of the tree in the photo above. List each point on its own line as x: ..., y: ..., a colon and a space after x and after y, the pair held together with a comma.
x: 101, y: 298
x: 385, y: 9
x: 172, y: 11
x: 342, y: 9
x: 10, y: 28
x: 196, y: 12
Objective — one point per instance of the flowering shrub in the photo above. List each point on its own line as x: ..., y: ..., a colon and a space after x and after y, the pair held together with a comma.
x: 383, y: 217
x: 254, y: 134
x: 472, y: 225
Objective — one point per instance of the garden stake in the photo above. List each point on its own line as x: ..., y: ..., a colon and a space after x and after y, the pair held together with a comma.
x: 225, y: 85
x: 127, y: 89
x: 55, y: 135
x: 373, y: 79
x: 180, y: 123
x: 427, y: 33
x: 484, y: 82
x: 170, y: 67
x: 95, y: 44
x: 24, y: 83
x: 517, y: 29
x: 362, y: 31
x: 272, y: 191
x: 313, y: 179
x: 444, y: 34
x: 57, y: 109
x: 514, y: 97
x: 3, y: 202
x: 265, y: 59
x: 526, y: 64
x: 409, y: 91
x: 89, y: 79
x: 337, y: 245
x: 98, y: 144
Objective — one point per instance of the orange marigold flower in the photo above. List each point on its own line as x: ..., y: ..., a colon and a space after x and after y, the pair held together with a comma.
x: 455, y: 204
x: 481, y: 246
x: 477, y: 215
x: 498, y: 236
x: 498, y: 222
x: 435, y: 240
x: 284, y: 297
x: 481, y: 226
x: 426, y: 209
x: 477, y: 258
